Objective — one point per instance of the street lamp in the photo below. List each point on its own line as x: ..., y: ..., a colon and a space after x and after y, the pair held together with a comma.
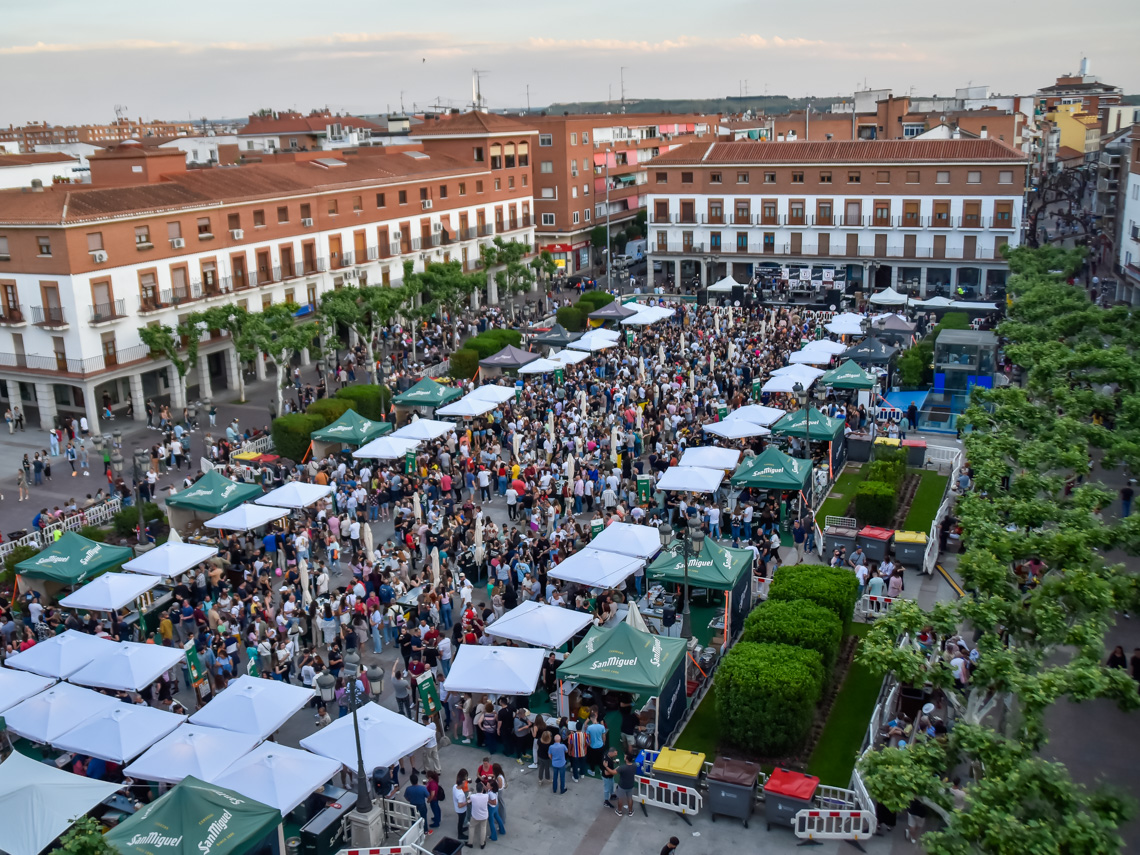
x: 691, y: 546
x: 800, y: 394
x: 140, y: 460
x: 352, y: 670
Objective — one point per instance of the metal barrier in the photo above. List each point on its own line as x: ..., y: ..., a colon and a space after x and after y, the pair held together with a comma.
x: 840, y: 522
x: 260, y: 445
x: 870, y: 607
x: 400, y: 817
x: 853, y: 825
x: 96, y: 515
x: 674, y: 797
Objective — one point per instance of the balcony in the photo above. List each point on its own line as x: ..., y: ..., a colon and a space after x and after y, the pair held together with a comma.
x: 61, y: 364
x: 831, y: 250
x: 48, y: 316
x: 347, y: 259
x: 12, y: 316
x: 373, y: 253
x: 435, y: 238
x: 486, y: 230
x: 181, y: 296
x: 102, y: 313
x: 469, y: 233
x: 393, y: 248
x: 415, y: 244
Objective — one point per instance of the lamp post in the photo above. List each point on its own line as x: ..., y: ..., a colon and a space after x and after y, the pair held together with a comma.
x: 140, y: 460
x: 352, y: 670
x: 609, y: 272
x: 692, y: 541
x: 800, y: 394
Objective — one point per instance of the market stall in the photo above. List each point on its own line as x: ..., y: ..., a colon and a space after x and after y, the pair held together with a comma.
x: 732, y: 428
x: 278, y: 776
x: 171, y: 559
x: 539, y: 624
x: 295, y: 495
x: 542, y: 366
x: 594, y: 340
x: 189, y: 750
x: 467, y: 407
x: 385, y: 737
x: 253, y: 706
x: 774, y: 471
x: 351, y: 429
x: 109, y: 592
x: 53, y: 712
x: 813, y: 426
x: 848, y: 375
x: 570, y: 357
x: 425, y: 430
x: 595, y: 568
x: 638, y: 541
x: 69, y: 561
x: 210, y: 495
x: 507, y: 359
x: 389, y: 448
x: 848, y: 323
x: 556, y: 336
x: 61, y: 655
x: 690, y: 479
x: 871, y: 351
x: 647, y: 315
x: 130, y: 667
x: 613, y: 311
x: 247, y: 517
x: 120, y: 733
x: 889, y: 297
x: 715, y: 567
x: 495, y: 670
x: 427, y: 394
x: 757, y: 414
x: 710, y: 457
x: 17, y: 686
x: 493, y: 392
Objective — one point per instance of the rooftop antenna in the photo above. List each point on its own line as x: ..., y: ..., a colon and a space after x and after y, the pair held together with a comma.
x: 528, y: 97
x: 477, y: 87
x: 623, y: 68
x: 120, y: 111
x: 402, y: 102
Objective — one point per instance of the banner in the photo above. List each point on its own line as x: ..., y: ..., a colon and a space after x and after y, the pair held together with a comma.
x: 518, y: 391
x: 644, y: 488
x: 428, y: 694
x: 194, y: 665
x: 671, y: 704
x: 722, y: 412
x: 740, y: 604
x: 596, y: 527
x: 629, y: 338
x: 757, y: 385
x: 409, y: 463
x: 559, y: 376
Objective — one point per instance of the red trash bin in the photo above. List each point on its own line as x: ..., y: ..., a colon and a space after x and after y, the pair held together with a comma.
x: 875, y: 541
x: 915, y: 452
x: 786, y: 793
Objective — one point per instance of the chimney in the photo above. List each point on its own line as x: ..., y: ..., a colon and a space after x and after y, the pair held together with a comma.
x: 37, y: 186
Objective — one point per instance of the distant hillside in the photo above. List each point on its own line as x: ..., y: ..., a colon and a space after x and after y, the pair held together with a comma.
x: 1131, y: 100
x: 764, y: 104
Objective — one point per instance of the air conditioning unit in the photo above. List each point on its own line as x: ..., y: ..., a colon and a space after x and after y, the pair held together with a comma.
x: 237, y: 234
x: 99, y: 256
x: 177, y: 243
x: 1136, y: 233
x: 437, y: 227
x: 307, y: 222
x: 396, y: 235
x: 426, y: 204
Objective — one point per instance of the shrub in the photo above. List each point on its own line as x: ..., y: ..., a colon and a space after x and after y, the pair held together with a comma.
x: 766, y: 696
x: 834, y: 588
x: 875, y: 503
x: 483, y: 344
x: 18, y: 554
x: 93, y: 532
x: 572, y: 318
x: 594, y: 300
x: 953, y: 321
x: 799, y: 623
x: 891, y: 454
x: 368, y: 401
x: 291, y: 432
x: 464, y: 363
x: 914, y: 365
x: 885, y: 472
x: 123, y: 523
x: 329, y: 409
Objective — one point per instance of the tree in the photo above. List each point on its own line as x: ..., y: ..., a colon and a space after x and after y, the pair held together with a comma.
x: 448, y: 289
x: 85, y: 837
x: 598, y: 242
x: 237, y: 321
x: 504, y: 260
x: 179, y: 345
x: 364, y: 310
x: 280, y: 337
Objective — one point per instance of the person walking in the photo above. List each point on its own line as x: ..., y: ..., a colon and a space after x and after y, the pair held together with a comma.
x: 626, y: 782
x: 480, y: 814
x: 609, y: 773
x: 671, y: 847
x: 558, y: 765
x: 799, y: 536
x: 22, y: 483
x: 435, y: 796
x: 417, y: 796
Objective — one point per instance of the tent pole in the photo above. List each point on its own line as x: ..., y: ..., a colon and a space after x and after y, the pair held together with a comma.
x: 281, y: 838
x: 657, y: 722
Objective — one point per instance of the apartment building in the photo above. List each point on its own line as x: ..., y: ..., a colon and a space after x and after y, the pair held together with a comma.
x: 320, y: 130
x: 921, y: 214
x: 82, y: 269
x: 590, y: 166
x: 21, y: 170
x: 1128, y: 289
x: 41, y: 133
x: 1087, y: 92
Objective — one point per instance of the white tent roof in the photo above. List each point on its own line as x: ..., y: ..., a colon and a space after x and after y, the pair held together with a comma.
x: 598, y: 569
x: 735, y: 429
x: 422, y: 429
x: 109, y: 592
x: 803, y: 373
x: 466, y: 407
x: 172, y: 558
x: 246, y: 517
x: 826, y: 345
x: 495, y: 670
x: 385, y: 737
x: 130, y: 667
x: 539, y: 624
x: 647, y: 315
x: 295, y: 494
x: 387, y: 447
x: 16, y: 686
x: 120, y: 733
x: 710, y: 457
x: 758, y: 414
x: 493, y: 392
x: 592, y: 341
x: 889, y: 297
x: 41, y: 802
x: 810, y: 356
x: 640, y: 541
x: 53, y: 712
x: 542, y: 366
x: 785, y: 383
x: 846, y: 324
x: 277, y: 776
x: 724, y: 286
x: 690, y: 479
x: 61, y: 655
x: 570, y: 357
x: 204, y: 752
x: 250, y: 705
x: 935, y: 303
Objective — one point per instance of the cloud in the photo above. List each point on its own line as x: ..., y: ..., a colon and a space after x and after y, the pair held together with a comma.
x: 748, y: 41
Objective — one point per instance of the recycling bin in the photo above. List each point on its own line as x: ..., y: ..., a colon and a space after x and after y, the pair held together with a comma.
x: 836, y: 537
x: 679, y: 767
x: 915, y: 452
x: 875, y: 541
x: 786, y: 793
x: 732, y: 788
x: 859, y: 447
x: 910, y: 548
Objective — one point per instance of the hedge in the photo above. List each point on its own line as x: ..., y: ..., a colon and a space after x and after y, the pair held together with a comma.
x: 595, y: 300
x: 368, y: 401
x: 572, y: 318
x: 124, y: 522
x: 875, y: 503
x: 93, y: 532
x: 464, y: 364
x: 800, y: 623
x: 291, y: 433
x: 329, y: 409
x: 834, y: 588
x: 490, y: 342
x: 885, y: 472
x: 766, y: 696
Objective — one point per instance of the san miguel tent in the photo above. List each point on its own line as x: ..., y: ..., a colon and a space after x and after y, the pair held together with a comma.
x: 810, y: 424
x: 556, y: 336
x: 718, y: 567
x: 427, y: 393
x: 196, y: 818
x: 351, y: 429
x: 773, y: 470
x: 625, y: 659
x: 213, y: 493
x: 509, y: 357
x: 385, y: 737
x: 40, y: 802
x: 848, y: 376
x: 871, y: 350
x: 495, y: 670
x: 539, y: 624
x: 73, y: 559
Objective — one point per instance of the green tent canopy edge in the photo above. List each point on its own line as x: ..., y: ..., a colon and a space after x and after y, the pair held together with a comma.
x: 624, y: 659
x: 214, y: 493
x: 72, y: 559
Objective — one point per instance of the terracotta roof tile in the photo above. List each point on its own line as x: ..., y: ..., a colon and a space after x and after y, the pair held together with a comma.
x: 864, y: 151
x: 474, y: 123
x: 260, y: 126
x: 37, y: 157
x: 1066, y: 153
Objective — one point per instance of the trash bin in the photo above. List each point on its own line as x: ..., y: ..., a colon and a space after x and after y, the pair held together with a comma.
x: 915, y: 452
x: 448, y: 846
x: 679, y: 767
x: 835, y: 537
x: 859, y: 447
x: 786, y: 793
x: 910, y: 548
x: 888, y: 441
x: 875, y: 541
x: 732, y: 788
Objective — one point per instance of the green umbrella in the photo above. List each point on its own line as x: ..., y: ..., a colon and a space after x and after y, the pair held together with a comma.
x: 848, y: 376
x: 214, y: 493
x: 717, y: 567
x: 352, y: 429
x: 427, y: 393
x: 808, y: 423
x: 623, y: 659
x: 773, y: 470
x: 73, y: 559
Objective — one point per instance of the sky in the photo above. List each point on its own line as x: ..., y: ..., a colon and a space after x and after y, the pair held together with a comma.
x: 71, y: 62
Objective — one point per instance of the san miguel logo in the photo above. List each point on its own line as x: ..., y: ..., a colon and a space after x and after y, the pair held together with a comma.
x: 613, y: 662
x: 226, y: 492
x: 655, y: 659
x: 154, y: 839
x: 90, y: 554
x: 53, y: 559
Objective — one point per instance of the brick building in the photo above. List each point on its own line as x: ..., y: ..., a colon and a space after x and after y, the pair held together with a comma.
x: 41, y: 133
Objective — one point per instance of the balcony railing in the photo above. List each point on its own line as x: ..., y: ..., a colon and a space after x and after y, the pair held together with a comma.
x: 347, y: 259
x: 394, y: 248
x: 436, y: 238
x: 103, y: 312
x: 415, y: 243
x: 830, y: 250
x: 62, y: 364
x: 470, y: 233
x: 373, y: 253
x: 486, y: 230
x: 12, y: 315
x: 48, y: 316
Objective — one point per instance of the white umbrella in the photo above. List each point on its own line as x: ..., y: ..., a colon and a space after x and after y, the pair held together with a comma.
x: 203, y: 752
x: 247, y: 517
x: 130, y: 668
x: 647, y: 315
x: 493, y: 392
x: 845, y: 324
x: 542, y: 366
x: 826, y: 345
x: 385, y: 737
x: 172, y: 558
x: 614, y: 441
x: 758, y: 414
x: 16, y: 686
x: 277, y: 776
x: 387, y: 447
x: 110, y: 592
x: 803, y: 373
x: 710, y: 457
x: 808, y: 356
x: 634, y: 618
x: 690, y: 479
x: 61, y: 655
x: 424, y: 429
x: 570, y: 357
x: 295, y: 494
x: 640, y: 541
x: 53, y: 712
x: 120, y: 733
x: 593, y: 341
x: 785, y: 383
x: 417, y: 508
x: 596, y: 568
x: 253, y: 706
x: 466, y: 407
x: 495, y: 670
x: 539, y: 624
x: 735, y: 429
x: 435, y: 565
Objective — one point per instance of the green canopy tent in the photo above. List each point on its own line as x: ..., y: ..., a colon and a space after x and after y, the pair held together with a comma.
x: 351, y: 429
x: 195, y: 818
x: 427, y: 393
x: 625, y: 659
x: 73, y: 559
x: 809, y: 423
x: 779, y: 472
x: 848, y: 376
x: 213, y: 494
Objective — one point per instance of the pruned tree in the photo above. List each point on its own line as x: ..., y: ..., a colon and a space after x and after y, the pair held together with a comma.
x: 178, y: 345
x: 280, y: 337
x: 238, y: 323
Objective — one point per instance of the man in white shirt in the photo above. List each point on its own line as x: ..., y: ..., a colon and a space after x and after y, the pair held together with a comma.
x: 861, y: 573
x: 466, y: 590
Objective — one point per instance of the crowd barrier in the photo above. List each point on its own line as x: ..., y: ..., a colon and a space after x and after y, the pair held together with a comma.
x: 686, y: 801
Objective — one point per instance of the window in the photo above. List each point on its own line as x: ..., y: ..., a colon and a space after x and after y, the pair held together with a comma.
x: 883, y: 176
x: 742, y: 178
x: 306, y: 211
x: 796, y: 212
x: 768, y: 211
x: 661, y: 178
x: 498, y: 185
x: 942, y: 176
x: 974, y: 176
x: 478, y: 154
x: 769, y: 177
x: 357, y: 204
x: 174, y: 230
x: 585, y: 139
x: 853, y: 177
x: 797, y: 178
x: 526, y: 180
x: 686, y: 178
x: 462, y: 188
x: 743, y: 211
x: 509, y: 155
x: 1005, y: 176
x: 94, y: 242
x: 443, y: 191
x: 510, y: 182
x: 714, y: 241
x: 333, y: 207
x: 574, y: 192
x: 381, y: 201
x: 545, y: 141
x: 259, y: 219
x: 575, y: 218
x: 496, y: 156
x: 44, y: 244
x: 423, y: 193
x: 548, y: 219
x: 714, y: 178
x: 142, y: 236
x: 585, y: 189
x: 524, y: 154
x: 233, y: 221
x: 403, y: 197
x: 912, y: 176
x: 573, y: 139
x: 586, y: 214
x: 574, y: 169
x: 283, y: 213
x: 742, y: 241
x: 479, y: 186
x: 716, y: 211
x: 546, y: 167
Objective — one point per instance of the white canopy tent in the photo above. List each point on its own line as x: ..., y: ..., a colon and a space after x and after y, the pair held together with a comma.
x: 647, y: 315
x: 120, y: 733
x: 640, y: 541
x: 542, y: 366
x: 539, y: 624
x: 247, y: 517
x: 596, y: 568
x: 592, y: 341
x: 172, y: 558
x: 61, y: 655
x: 710, y: 457
x: 935, y: 303
x: 110, y: 592
x: 130, y: 667
x: 253, y: 706
x: 570, y: 357
x: 385, y: 737
x: 424, y: 429
x: 690, y: 479
x: 387, y: 447
x: 785, y: 383
x: 295, y: 495
x: 204, y: 752
x: 495, y: 670
x: 724, y: 286
x: 41, y: 802
x: 889, y: 297
x: 53, y: 712
x: 492, y: 392
x: 277, y: 776
x: 735, y: 429
x: 16, y: 686
x: 466, y: 407
x: 811, y: 356
x: 846, y: 324
x: 758, y: 414
x: 803, y: 373
x: 826, y: 345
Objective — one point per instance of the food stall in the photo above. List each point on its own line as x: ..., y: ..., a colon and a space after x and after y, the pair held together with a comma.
x: 813, y: 426
x: 775, y: 472
x: 351, y: 429
x: 69, y: 561
x: 210, y: 495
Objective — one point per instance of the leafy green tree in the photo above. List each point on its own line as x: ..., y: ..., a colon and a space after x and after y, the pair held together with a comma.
x: 504, y: 261
x: 179, y: 345
x: 237, y: 321
x: 598, y: 242
x: 450, y: 289
x: 280, y: 337
x: 365, y: 310
x: 85, y: 837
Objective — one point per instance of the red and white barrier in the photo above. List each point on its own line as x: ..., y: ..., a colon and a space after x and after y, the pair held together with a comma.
x: 852, y: 825
x: 663, y: 794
